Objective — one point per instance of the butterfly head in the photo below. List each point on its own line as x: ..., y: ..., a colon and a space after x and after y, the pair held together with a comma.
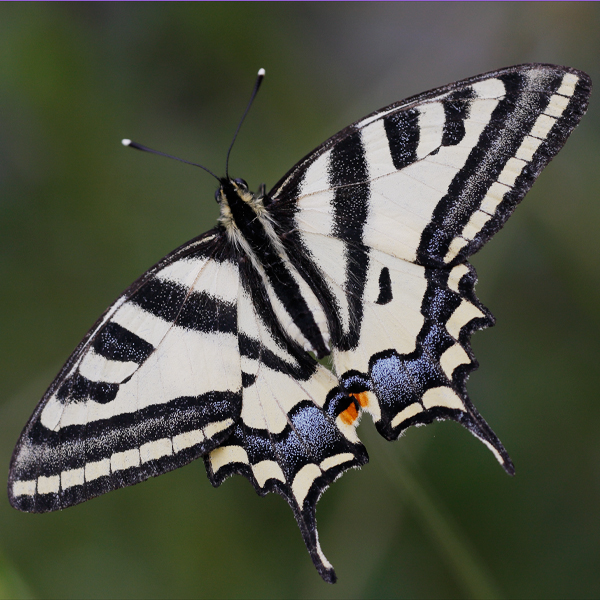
x: 233, y: 187
x: 239, y: 206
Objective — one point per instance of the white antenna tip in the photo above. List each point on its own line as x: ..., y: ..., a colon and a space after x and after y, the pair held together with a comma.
x: 261, y: 72
x: 126, y: 142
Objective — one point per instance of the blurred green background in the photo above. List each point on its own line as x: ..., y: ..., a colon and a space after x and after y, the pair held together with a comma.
x: 81, y: 217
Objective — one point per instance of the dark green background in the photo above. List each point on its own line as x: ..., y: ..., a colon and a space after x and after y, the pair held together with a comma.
x: 81, y: 217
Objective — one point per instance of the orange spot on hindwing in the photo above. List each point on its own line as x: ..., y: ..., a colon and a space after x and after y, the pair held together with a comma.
x: 349, y: 415
x: 363, y: 399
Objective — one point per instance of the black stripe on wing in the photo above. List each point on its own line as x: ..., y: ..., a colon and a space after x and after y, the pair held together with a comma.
x: 155, y: 438
x: 77, y: 387
x: 348, y: 176
x: 456, y: 111
x: 403, y: 132
x: 117, y: 343
x: 175, y: 304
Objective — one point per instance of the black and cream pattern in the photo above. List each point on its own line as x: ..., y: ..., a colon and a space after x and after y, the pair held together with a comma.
x: 359, y: 252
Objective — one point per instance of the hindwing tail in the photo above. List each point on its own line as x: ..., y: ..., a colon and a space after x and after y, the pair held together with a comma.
x: 296, y: 433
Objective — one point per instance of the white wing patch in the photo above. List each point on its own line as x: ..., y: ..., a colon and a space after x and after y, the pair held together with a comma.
x: 431, y: 128
x: 267, y: 469
x: 220, y: 280
x: 317, y: 176
x: 452, y: 358
x: 464, y: 314
x: 442, y: 396
x: 377, y: 150
x: 328, y: 254
x: 97, y: 368
x: 395, y: 324
x: 490, y: 89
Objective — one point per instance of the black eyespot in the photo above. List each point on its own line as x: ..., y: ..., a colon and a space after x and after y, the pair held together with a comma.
x: 241, y: 183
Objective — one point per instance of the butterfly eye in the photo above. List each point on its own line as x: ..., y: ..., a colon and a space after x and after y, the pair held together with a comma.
x: 241, y: 183
x: 218, y: 196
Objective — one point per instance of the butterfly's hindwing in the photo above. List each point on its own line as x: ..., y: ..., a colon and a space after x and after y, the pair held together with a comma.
x: 297, y: 432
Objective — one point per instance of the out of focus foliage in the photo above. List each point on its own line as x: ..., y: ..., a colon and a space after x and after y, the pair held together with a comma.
x: 81, y: 217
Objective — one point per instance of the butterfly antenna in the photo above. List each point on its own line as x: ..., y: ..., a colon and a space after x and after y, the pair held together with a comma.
x: 137, y: 146
x: 259, y: 78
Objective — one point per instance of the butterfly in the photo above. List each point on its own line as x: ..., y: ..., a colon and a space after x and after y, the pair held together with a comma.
x: 360, y: 253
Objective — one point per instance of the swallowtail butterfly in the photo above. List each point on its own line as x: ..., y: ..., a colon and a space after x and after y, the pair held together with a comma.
x: 359, y: 252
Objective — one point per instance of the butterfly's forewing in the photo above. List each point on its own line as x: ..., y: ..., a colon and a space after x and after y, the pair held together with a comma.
x: 389, y: 209
x: 155, y: 384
